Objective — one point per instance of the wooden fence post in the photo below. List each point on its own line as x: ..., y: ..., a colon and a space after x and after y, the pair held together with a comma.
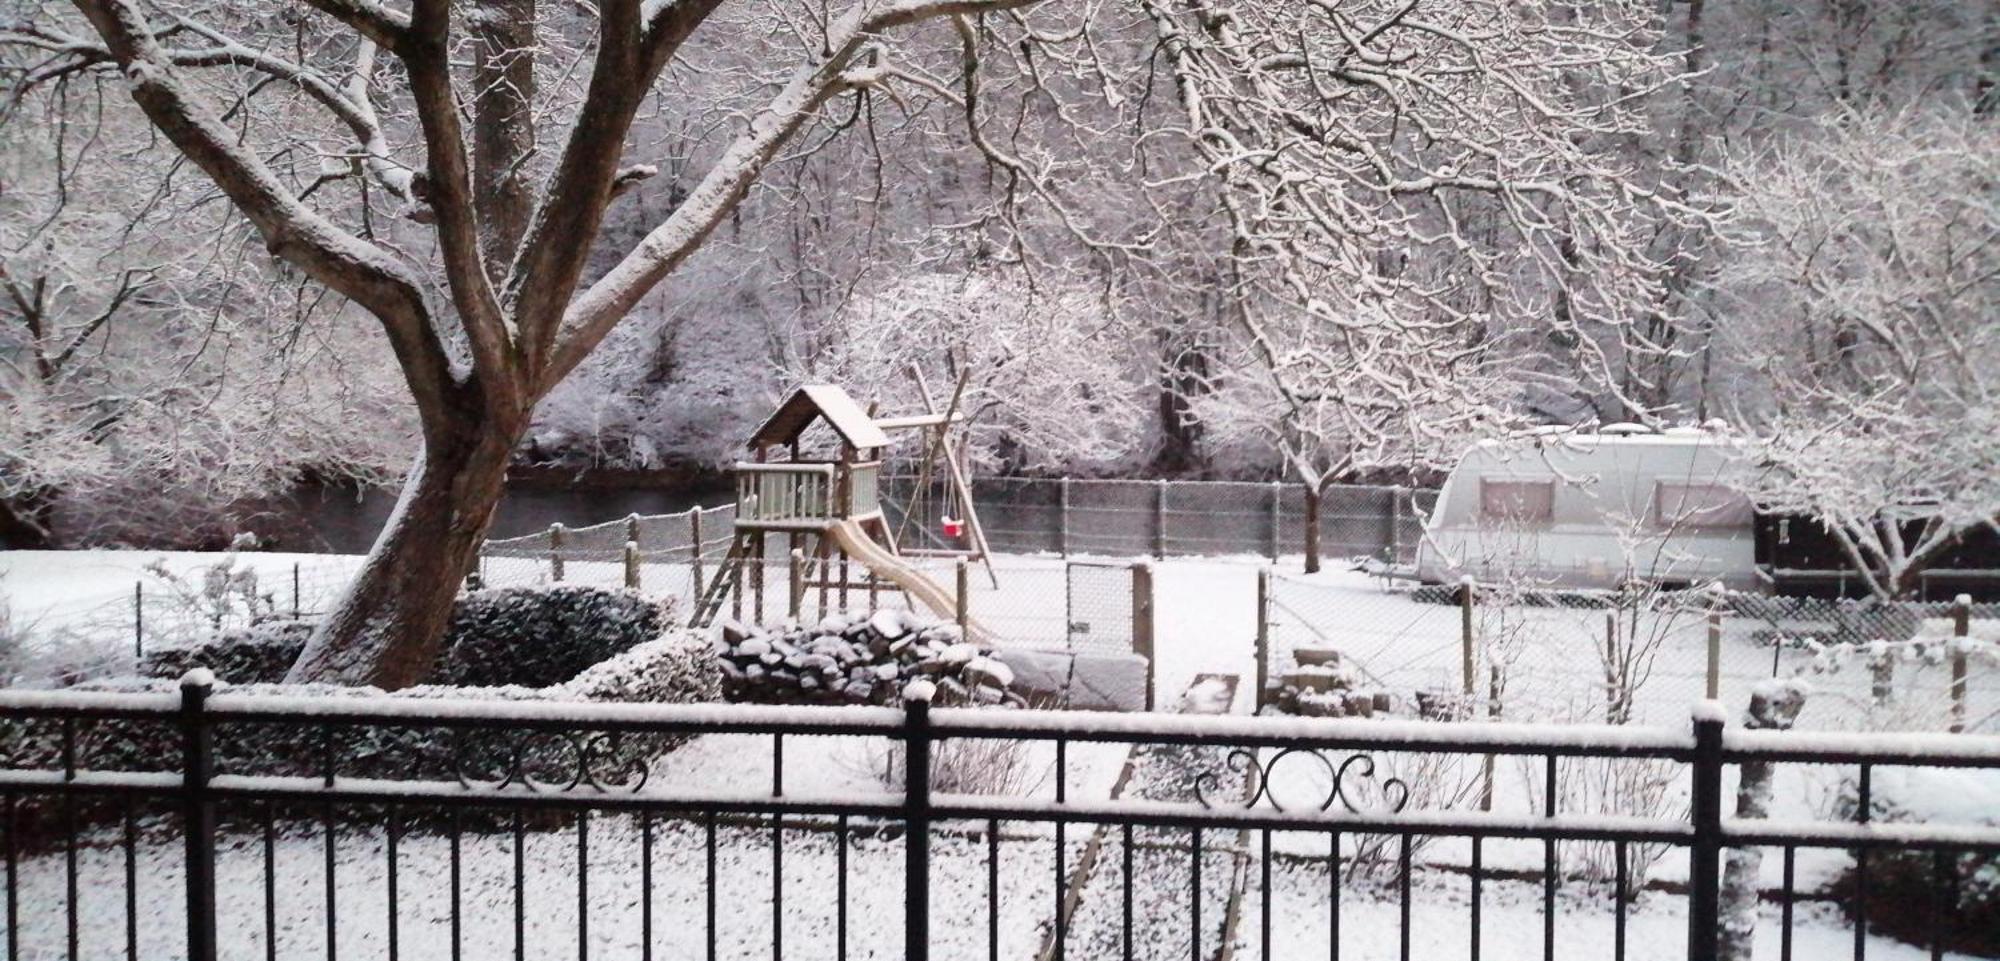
x: 1062, y: 516
x: 1961, y: 629
x: 1714, y: 650
x: 694, y: 549
x: 632, y: 565
x: 1263, y: 637
x: 1160, y: 518
x: 798, y: 584
x: 963, y: 581
x: 1466, y: 634
x: 1143, y: 622
x: 139, y: 618
x: 555, y: 552
x: 1277, y: 507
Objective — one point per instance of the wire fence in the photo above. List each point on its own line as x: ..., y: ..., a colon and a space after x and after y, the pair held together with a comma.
x: 1635, y: 657
x: 1187, y: 518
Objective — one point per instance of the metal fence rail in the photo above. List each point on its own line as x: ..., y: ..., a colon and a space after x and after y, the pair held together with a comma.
x: 349, y: 826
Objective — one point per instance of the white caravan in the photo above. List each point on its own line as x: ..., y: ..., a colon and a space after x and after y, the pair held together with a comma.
x: 1557, y: 507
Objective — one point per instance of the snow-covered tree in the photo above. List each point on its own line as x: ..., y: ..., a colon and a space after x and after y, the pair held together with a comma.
x: 1049, y: 372
x: 452, y: 181
x: 150, y: 373
x: 1868, y: 305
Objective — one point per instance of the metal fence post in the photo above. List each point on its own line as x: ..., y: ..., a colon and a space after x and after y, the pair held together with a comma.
x: 1062, y: 516
x: 1142, y: 623
x: 1263, y: 636
x: 1705, y: 853
x: 555, y: 552
x: 917, y: 819
x: 295, y: 590
x: 198, y: 814
x: 1466, y: 590
x: 694, y: 549
x: 1961, y: 628
x: 1160, y: 518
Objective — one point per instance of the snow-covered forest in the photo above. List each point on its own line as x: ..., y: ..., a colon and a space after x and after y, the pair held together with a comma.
x: 1209, y: 239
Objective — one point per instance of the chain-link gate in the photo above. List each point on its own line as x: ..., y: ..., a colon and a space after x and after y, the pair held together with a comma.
x: 1097, y: 601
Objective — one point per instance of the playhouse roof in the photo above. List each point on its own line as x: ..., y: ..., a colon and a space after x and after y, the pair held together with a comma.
x: 819, y: 400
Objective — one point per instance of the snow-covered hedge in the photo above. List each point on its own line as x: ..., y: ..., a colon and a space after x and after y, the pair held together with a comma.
x: 675, y: 668
x: 520, y: 636
x: 538, y: 636
x: 1901, y: 884
x: 860, y: 659
x: 249, y: 655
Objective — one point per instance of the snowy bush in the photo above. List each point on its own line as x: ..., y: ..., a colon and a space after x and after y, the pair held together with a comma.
x: 1902, y: 884
x: 530, y: 637
x: 861, y: 659
x: 252, y: 655
x: 538, y: 636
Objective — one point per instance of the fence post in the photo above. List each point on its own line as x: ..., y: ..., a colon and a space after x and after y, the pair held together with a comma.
x: 1466, y: 589
x: 139, y: 618
x: 1396, y: 495
x: 1705, y: 853
x: 198, y: 814
x: 555, y: 552
x: 798, y: 584
x: 917, y: 819
x: 295, y: 590
x: 1142, y: 622
x: 1062, y: 516
x: 694, y: 549
x: 1160, y: 518
x: 1714, y: 649
x: 1961, y: 629
x: 1277, y: 507
x: 962, y: 580
x: 1263, y: 636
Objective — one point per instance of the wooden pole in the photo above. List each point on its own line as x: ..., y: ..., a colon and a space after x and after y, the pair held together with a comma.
x: 1160, y: 518
x: 555, y: 552
x: 1714, y: 651
x: 694, y: 549
x: 796, y: 602
x: 1062, y: 517
x: 1466, y: 589
x: 1277, y: 505
x: 964, y: 585
x: 632, y: 565
x: 1263, y: 637
x: 1961, y: 628
x: 1143, y: 622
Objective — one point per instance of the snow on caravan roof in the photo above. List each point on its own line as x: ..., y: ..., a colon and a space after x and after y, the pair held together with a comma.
x: 1558, y: 435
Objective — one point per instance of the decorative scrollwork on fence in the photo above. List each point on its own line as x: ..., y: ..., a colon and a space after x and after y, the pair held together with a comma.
x: 550, y: 761
x: 1352, y: 782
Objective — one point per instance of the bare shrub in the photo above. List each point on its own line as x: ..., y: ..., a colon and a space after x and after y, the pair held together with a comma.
x: 969, y: 766
x: 1597, y: 786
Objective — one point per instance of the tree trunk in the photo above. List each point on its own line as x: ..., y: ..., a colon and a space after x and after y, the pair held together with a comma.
x: 25, y: 523
x: 1772, y: 708
x: 1312, y: 528
x: 387, y: 629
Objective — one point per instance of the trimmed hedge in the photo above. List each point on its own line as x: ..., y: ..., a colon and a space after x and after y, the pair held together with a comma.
x: 524, y: 636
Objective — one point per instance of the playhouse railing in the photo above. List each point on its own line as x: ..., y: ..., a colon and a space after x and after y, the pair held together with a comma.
x: 784, y: 495
x: 863, y: 495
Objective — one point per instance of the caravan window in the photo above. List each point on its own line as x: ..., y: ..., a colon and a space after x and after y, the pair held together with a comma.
x: 1699, y: 505
x: 1517, y: 501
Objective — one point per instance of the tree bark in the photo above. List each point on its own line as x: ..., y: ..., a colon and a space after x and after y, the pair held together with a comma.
x: 1773, y: 707
x: 1313, y: 494
x: 388, y: 629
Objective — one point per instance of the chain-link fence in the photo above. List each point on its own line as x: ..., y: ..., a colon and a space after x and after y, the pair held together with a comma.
x: 1186, y: 518
x: 1640, y: 656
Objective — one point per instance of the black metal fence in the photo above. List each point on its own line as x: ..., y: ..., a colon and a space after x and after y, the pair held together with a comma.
x: 210, y: 825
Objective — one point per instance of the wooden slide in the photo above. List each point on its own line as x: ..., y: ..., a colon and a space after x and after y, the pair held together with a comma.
x: 863, y: 548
